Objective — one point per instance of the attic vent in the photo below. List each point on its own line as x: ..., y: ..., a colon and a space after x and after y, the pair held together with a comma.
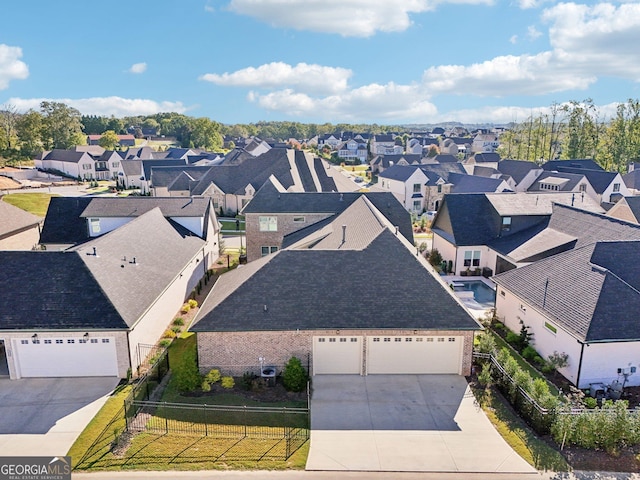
x: 344, y: 233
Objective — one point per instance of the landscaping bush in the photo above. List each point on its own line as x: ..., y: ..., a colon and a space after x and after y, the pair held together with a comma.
x: 485, y: 343
x: 192, y: 303
x: 178, y: 321
x: 484, y: 377
x: 294, y: 376
x: 529, y: 353
x: 206, y: 386
x: 512, y: 338
x: 590, y: 402
x: 185, y: 308
x: 213, y: 376
x: 165, y: 342
x: 169, y: 334
x: 185, y: 371
x: 247, y: 380
x: 435, y: 258
x: 176, y: 329
x: 227, y: 382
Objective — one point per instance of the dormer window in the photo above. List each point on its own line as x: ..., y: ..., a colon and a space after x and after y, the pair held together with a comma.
x: 506, y: 224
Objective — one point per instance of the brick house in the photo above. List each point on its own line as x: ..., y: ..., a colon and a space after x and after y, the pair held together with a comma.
x: 300, y: 302
x: 273, y: 214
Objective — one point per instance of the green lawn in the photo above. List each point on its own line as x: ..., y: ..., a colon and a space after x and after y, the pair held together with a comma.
x: 518, y: 435
x: 36, y: 203
x: 231, y: 225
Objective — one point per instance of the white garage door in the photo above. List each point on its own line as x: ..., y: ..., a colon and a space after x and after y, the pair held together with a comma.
x: 66, y: 357
x: 416, y: 355
x: 333, y: 355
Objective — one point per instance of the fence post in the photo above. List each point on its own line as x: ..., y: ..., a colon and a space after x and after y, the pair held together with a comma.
x: 206, y: 425
x: 244, y: 416
x: 166, y: 419
x: 126, y: 417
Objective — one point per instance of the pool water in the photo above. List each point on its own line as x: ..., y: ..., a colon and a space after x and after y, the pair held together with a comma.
x: 482, y: 293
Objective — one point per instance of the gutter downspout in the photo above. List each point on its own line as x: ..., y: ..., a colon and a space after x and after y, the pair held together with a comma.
x: 580, y: 366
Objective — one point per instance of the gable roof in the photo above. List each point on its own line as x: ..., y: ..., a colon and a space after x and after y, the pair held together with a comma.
x: 269, y: 200
x: 599, y: 179
x: 63, y: 223
x: 164, y: 176
x: 566, y: 182
x: 14, y: 220
x: 147, y: 165
x: 136, y: 206
x: 585, y: 164
x: 68, y: 297
x: 391, y: 303
x: 160, y: 252
x: 632, y: 179
x: 69, y: 156
x: 486, y: 157
x: 516, y: 169
x: 473, y: 183
x: 401, y: 173
x: 584, y: 290
x: 445, y: 158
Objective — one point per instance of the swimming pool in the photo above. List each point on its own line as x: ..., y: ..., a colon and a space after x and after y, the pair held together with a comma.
x: 482, y: 293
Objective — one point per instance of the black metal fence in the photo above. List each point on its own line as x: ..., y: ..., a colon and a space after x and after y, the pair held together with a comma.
x: 289, y: 425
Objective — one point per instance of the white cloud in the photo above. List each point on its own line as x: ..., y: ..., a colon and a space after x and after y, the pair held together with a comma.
x: 116, y: 106
x: 349, y: 18
x: 11, y: 67
x: 513, y: 39
x: 138, y: 68
x: 305, y: 77
x: 388, y: 102
x: 533, y: 32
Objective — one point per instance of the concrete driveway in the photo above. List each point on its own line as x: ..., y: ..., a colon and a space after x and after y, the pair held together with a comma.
x: 404, y: 423
x: 44, y: 416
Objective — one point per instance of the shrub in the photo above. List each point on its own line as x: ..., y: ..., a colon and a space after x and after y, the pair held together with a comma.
x: 247, y: 380
x: 558, y: 360
x: 538, y: 360
x: 213, y: 376
x: 512, y: 338
x: 165, y: 342
x: 227, y: 382
x: 176, y: 329
x: 486, y: 343
x: 192, y: 303
x: 529, y: 353
x: 206, y: 386
x: 185, y: 372
x: 294, y: 376
x: 169, y: 334
x: 590, y: 402
x: 484, y: 377
x: 435, y: 258
x: 185, y: 308
x: 178, y: 321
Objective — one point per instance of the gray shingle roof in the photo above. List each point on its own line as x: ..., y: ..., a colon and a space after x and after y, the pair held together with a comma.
x: 63, y: 223
x: 14, y: 220
x: 592, y: 292
x: 566, y: 182
x: 69, y: 156
x: 516, y: 169
x: 269, y: 200
x: 632, y: 179
x: 161, y: 253
x: 165, y: 176
x: 399, y: 172
x: 585, y: 164
x: 473, y: 184
x: 147, y: 165
x: 136, y: 206
x: 52, y: 291
x: 294, y: 299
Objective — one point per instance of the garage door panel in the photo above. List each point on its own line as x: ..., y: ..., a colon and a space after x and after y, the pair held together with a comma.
x: 337, y: 355
x: 66, y: 357
x: 414, y: 355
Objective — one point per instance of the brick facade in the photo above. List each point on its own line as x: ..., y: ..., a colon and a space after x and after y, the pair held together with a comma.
x: 235, y: 353
x: 286, y: 224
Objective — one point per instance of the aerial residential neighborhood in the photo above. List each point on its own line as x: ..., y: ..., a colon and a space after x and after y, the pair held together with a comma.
x: 267, y: 239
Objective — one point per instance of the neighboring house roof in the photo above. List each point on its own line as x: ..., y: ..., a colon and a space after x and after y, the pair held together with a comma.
x: 160, y: 252
x: 269, y: 200
x: 634, y: 205
x: 516, y: 169
x: 632, y: 179
x: 136, y: 206
x: 481, y: 171
x: 473, y: 184
x: 584, y: 290
x: 586, y: 164
x: 445, y: 158
x: 486, y: 157
x: 165, y: 176
x: 147, y: 165
x: 512, y: 204
x: 435, y: 171
x: 383, y: 138
x: 599, y: 179
x: 401, y: 173
x: 566, y: 182
x: 67, y: 297
x: 14, y: 220
x: 245, y: 299
x: 387, y: 161
x: 69, y: 156
x: 63, y: 223
x: 132, y: 167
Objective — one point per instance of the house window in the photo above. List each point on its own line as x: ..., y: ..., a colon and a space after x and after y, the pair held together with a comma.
x: 86, y: 166
x: 382, y: 183
x: 416, y: 205
x: 245, y: 201
x: 397, y: 339
x: 37, y: 342
x: 523, y: 308
x: 82, y: 340
x: 429, y: 339
x: 419, y: 339
x: 354, y: 339
x: 94, y: 340
x: 550, y: 327
x: 502, y: 294
x: 387, y: 339
x: 95, y: 225
x: 583, y: 187
x: 298, y: 219
x: 440, y: 339
x: 24, y: 342
x: 439, y: 188
x: 59, y: 341
x: 616, y: 187
x: 71, y: 340
x: 268, y: 224
x: 105, y: 340
x: 332, y: 340
x: 115, y: 164
x: 376, y: 339
x: 408, y: 339
x: 47, y: 342
x: 452, y: 339
x: 472, y: 258
x: 506, y: 224
x: 268, y: 250
x: 416, y: 188
x: 343, y: 340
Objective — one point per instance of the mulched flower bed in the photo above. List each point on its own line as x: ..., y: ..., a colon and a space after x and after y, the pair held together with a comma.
x: 265, y: 394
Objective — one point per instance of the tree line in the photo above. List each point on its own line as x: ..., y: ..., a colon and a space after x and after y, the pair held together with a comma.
x: 568, y: 131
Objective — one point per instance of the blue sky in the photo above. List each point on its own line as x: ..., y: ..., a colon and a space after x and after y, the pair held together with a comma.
x: 338, y: 61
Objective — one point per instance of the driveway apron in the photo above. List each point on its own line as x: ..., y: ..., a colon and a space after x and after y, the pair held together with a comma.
x: 404, y: 423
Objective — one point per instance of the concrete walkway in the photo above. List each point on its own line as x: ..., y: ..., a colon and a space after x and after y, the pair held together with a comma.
x: 44, y: 416
x: 404, y: 423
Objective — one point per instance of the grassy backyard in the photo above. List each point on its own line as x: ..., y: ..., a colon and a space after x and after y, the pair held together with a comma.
x: 36, y: 203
